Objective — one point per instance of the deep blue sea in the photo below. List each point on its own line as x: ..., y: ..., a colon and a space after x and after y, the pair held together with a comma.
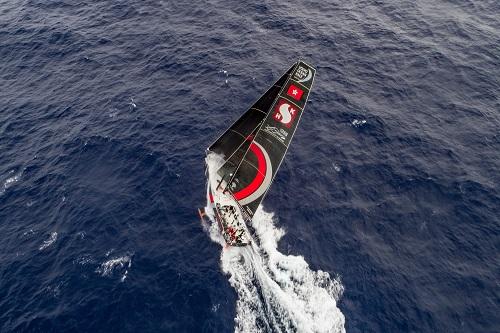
x: 391, y: 187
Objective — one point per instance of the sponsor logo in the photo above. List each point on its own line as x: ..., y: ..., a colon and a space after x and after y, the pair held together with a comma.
x: 279, y: 134
x: 295, y: 92
x: 285, y: 113
x: 302, y: 74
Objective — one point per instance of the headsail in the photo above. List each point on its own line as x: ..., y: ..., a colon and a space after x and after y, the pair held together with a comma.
x: 253, y: 178
x: 254, y: 146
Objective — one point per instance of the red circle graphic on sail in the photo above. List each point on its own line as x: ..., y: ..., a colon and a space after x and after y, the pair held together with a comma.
x: 259, y: 178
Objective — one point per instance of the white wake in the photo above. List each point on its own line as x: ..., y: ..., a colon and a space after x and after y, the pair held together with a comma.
x: 277, y: 292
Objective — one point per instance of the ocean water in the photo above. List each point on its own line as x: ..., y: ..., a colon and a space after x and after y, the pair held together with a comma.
x: 384, y: 217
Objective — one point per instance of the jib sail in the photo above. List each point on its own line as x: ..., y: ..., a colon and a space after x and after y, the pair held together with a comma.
x: 255, y: 145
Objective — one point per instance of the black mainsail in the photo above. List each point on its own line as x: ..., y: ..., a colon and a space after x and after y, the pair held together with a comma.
x: 235, y: 141
x: 255, y: 145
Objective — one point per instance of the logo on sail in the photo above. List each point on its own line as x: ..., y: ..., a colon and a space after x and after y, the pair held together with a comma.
x: 285, y: 113
x: 302, y: 74
x: 279, y: 134
x: 295, y: 92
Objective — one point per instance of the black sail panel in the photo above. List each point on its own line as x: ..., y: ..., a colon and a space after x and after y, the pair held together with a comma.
x: 235, y: 142
x: 229, y: 142
x: 253, y: 177
x: 227, y: 170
